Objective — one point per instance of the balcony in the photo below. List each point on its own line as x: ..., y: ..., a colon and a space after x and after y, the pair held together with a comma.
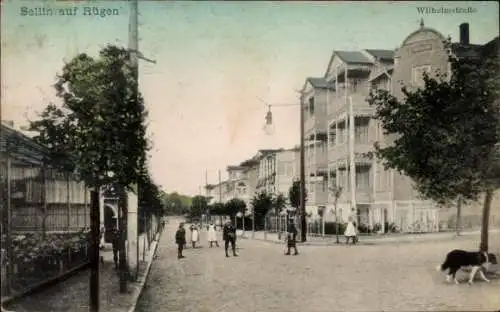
x: 363, y: 196
x: 337, y: 152
x: 339, y: 107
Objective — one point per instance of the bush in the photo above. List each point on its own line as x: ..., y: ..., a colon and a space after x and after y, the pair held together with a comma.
x: 331, y: 227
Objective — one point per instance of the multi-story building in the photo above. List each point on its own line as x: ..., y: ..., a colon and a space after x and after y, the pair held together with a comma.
x: 380, y: 196
x: 314, y: 98
x: 272, y: 171
x: 349, y: 125
x: 287, y: 170
x: 421, y: 51
x: 266, y: 181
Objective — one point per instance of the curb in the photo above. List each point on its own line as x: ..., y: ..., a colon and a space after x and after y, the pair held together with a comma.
x: 142, y: 280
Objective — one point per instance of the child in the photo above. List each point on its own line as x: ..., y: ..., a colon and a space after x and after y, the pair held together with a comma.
x: 180, y: 240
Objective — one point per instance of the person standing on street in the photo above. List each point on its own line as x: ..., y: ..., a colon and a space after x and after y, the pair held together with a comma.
x: 229, y: 236
x: 292, y: 239
x: 180, y: 240
x: 350, y: 231
x: 212, y: 235
x: 195, y: 236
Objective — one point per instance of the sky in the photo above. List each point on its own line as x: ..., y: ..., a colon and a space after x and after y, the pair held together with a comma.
x: 216, y: 65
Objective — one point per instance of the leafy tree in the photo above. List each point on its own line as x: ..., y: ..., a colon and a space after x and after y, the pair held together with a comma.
x: 446, y: 133
x: 199, y: 206
x: 262, y: 203
x: 233, y: 206
x: 279, y: 203
x: 294, y: 194
x: 100, y: 126
x: 176, y: 204
x: 218, y: 209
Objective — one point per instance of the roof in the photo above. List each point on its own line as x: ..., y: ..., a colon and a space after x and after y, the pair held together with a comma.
x: 383, y: 55
x: 20, y: 146
x: 379, y: 72
x: 354, y: 57
x: 234, y: 167
x: 320, y: 83
x: 270, y: 151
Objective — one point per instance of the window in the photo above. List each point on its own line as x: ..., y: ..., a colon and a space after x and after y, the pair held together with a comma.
x: 363, y: 178
x: 311, y: 106
x: 361, y: 130
x: 417, y: 74
x: 332, y: 137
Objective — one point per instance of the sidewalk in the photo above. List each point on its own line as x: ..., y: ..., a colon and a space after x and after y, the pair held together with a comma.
x: 330, y: 240
x: 72, y: 294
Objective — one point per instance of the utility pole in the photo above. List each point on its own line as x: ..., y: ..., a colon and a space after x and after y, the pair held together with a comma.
x: 303, y: 221
x: 207, y: 213
x: 220, y: 192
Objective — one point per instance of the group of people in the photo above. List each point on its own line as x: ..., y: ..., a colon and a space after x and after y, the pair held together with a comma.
x: 228, y: 235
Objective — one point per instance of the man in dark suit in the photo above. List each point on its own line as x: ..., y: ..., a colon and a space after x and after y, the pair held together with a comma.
x: 229, y: 236
x: 180, y: 240
x: 292, y: 239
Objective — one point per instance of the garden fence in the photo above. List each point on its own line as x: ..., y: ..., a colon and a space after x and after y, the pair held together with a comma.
x: 45, y: 223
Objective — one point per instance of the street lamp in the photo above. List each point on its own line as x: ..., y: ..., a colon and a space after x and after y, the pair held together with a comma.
x: 269, y: 125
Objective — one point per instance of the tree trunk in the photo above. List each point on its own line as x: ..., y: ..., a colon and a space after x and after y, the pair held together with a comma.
x: 483, y: 246
x: 459, y: 216
x: 243, y: 225
x: 265, y: 228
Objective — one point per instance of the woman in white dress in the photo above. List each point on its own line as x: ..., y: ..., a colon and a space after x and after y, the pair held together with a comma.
x: 212, y: 235
x: 195, y: 236
x: 350, y: 231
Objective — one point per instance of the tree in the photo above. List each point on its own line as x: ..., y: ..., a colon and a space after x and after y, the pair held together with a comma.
x: 177, y: 204
x: 199, y: 206
x: 233, y: 206
x: 336, y: 192
x: 294, y: 194
x: 262, y: 203
x: 279, y: 203
x: 98, y: 129
x: 218, y: 209
x: 100, y: 126
x: 446, y: 133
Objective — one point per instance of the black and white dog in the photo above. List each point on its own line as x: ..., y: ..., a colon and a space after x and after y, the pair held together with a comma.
x: 460, y: 259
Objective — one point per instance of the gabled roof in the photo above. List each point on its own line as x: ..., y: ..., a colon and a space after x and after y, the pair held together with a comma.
x: 320, y: 83
x: 382, y: 55
x: 379, y: 72
x: 348, y: 57
x: 353, y: 57
x: 20, y: 146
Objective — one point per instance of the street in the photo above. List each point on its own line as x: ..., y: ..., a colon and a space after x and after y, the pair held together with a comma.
x: 387, y: 277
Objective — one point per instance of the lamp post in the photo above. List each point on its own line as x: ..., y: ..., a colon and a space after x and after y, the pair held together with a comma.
x: 269, y: 125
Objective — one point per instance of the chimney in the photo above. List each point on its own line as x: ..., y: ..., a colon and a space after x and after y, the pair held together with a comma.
x: 464, y: 33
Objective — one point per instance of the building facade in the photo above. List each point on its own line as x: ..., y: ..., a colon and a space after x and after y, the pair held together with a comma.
x: 336, y: 105
x: 314, y: 98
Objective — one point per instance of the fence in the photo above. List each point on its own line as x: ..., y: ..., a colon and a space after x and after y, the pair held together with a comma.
x: 45, y: 217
